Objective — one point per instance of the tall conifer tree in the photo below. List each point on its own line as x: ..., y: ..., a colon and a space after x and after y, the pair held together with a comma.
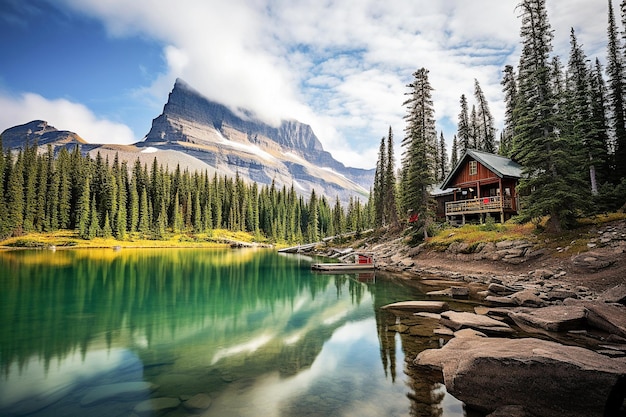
x: 485, y: 130
x: 463, y: 130
x: 420, y: 145
x: 509, y: 87
x: 391, y: 209
x: 616, y: 87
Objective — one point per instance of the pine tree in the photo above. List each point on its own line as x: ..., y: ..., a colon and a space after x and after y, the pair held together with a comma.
x: 463, y: 133
x: 443, y: 159
x: 473, y: 129
x: 94, y: 221
x: 84, y: 210
x: 549, y: 164
x: 313, y: 222
x: 15, y: 194
x: 30, y: 187
x: 52, y: 195
x: 390, y: 207
x: 509, y: 87
x: 454, y: 154
x: 378, y: 193
x: 615, y: 73
x: 580, y: 118
x: 485, y: 130
x: 144, y: 213
x: 3, y: 208
x: 65, y: 189
x: 419, y: 143
x: 599, y: 119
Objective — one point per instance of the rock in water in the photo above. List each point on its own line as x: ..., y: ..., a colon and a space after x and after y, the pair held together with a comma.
x: 545, y: 378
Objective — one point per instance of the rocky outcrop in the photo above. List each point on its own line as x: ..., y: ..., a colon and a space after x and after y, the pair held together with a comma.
x: 235, y: 141
x: 541, y: 378
x: 38, y: 132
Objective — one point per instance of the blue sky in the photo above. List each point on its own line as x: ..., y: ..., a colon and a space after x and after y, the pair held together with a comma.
x: 103, y: 68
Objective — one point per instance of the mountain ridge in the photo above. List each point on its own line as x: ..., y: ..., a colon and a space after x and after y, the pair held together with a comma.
x: 201, y: 134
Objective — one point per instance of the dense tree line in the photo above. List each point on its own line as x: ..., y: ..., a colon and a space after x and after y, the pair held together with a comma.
x: 44, y: 192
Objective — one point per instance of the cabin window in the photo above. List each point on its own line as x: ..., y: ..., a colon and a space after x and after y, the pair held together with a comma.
x: 473, y: 167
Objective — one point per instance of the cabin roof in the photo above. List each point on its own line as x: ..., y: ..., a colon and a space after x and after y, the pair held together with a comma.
x: 501, y: 166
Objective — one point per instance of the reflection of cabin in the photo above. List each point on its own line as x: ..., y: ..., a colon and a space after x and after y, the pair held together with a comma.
x: 481, y: 184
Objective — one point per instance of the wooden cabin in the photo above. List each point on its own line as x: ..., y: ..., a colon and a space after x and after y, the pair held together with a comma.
x: 480, y: 185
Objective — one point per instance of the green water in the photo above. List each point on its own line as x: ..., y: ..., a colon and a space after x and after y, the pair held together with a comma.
x: 99, y: 332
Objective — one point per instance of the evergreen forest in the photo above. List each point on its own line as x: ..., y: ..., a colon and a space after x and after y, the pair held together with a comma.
x: 44, y: 192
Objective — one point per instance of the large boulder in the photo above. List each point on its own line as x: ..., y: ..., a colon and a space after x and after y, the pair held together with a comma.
x: 542, y: 377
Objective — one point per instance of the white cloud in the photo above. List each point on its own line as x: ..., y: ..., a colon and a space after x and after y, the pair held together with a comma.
x: 341, y: 66
x: 64, y: 115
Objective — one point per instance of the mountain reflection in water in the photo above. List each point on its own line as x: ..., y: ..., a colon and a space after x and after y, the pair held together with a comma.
x: 254, y: 330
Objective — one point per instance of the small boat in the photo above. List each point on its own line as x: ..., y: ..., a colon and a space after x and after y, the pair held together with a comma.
x: 363, y: 262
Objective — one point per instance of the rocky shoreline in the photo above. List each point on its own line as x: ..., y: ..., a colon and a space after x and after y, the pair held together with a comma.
x: 539, y: 342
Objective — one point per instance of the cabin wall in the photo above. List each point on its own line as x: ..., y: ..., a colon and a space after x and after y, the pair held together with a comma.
x: 464, y: 179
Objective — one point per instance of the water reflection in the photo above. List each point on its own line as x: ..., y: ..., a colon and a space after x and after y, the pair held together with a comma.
x: 254, y: 330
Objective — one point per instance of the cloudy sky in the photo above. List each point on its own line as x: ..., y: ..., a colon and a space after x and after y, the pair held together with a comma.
x: 103, y: 68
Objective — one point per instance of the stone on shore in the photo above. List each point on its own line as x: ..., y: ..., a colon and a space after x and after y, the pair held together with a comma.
x: 552, y: 318
x: 419, y: 306
x: 542, y: 377
x: 616, y: 294
x: 608, y: 317
x: 461, y: 320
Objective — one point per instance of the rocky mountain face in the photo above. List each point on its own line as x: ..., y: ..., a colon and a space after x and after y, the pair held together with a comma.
x: 38, y: 132
x: 198, y: 134
x: 288, y: 154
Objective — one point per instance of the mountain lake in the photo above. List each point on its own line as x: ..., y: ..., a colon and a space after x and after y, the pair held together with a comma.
x: 210, y: 332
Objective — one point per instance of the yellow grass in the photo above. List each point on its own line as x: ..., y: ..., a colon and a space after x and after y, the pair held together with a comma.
x: 70, y: 239
x: 472, y: 234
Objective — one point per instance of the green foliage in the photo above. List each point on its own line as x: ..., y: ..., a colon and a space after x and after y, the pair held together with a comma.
x: 98, y: 198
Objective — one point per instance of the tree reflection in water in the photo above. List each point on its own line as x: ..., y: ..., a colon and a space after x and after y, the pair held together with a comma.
x: 235, y: 324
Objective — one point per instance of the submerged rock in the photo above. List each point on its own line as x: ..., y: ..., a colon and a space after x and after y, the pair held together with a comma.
x: 417, y: 306
x: 125, y: 390
x: 457, y: 321
x: 156, y: 405
x: 541, y: 377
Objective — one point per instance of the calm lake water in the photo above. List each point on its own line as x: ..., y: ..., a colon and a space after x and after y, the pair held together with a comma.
x: 99, y: 332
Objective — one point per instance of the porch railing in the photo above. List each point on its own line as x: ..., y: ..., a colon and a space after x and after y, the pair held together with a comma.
x: 479, y: 205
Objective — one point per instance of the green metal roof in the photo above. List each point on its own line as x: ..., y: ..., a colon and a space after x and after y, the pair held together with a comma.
x: 499, y: 165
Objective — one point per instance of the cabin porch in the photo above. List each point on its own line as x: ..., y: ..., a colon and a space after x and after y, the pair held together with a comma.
x: 472, y: 204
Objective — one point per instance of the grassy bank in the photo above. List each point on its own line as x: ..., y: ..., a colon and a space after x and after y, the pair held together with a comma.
x: 69, y: 239
x: 576, y: 239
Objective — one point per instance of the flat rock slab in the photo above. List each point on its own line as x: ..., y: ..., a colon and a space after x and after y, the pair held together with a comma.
x: 461, y: 320
x: 419, y: 306
x: 124, y: 390
x: 156, y: 405
x: 553, y: 318
x: 545, y: 378
x: 608, y: 317
x: 616, y: 294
